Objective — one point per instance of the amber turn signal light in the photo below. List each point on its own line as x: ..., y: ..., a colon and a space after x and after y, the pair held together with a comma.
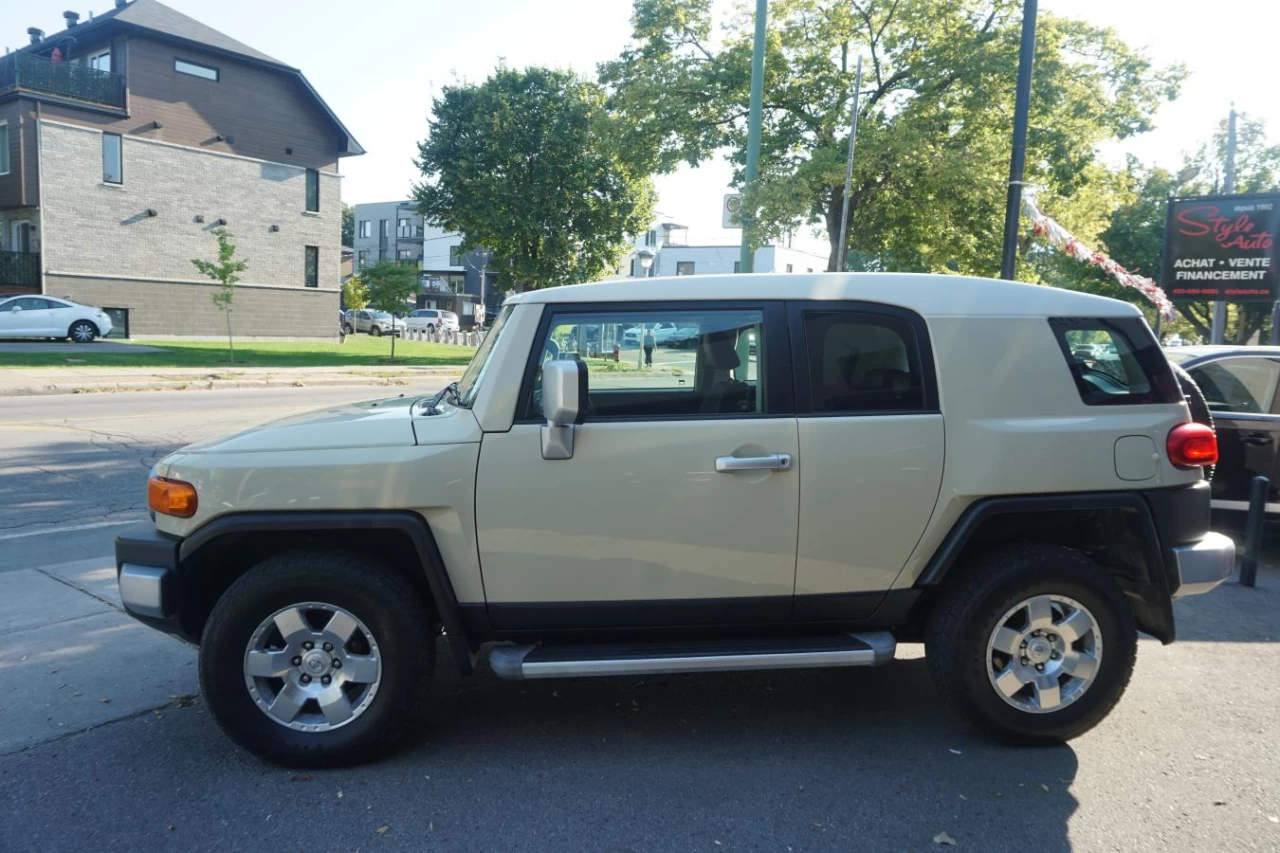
x: 171, y: 497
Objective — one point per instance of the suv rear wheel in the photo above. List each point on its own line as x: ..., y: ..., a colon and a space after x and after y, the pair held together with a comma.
x: 1034, y: 643
x: 317, y: 658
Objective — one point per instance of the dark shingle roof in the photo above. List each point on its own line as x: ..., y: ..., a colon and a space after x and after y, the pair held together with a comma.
x: 155, y: 16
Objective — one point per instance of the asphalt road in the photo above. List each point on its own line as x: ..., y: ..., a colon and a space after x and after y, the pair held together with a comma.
x: 800, y: 761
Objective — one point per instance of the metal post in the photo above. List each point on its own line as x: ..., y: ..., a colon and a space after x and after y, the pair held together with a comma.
x: 1253, y: 530
x: 848, y: 173
x: 1218, y: 331
x: 746, y: 259
x: 1021, y: 111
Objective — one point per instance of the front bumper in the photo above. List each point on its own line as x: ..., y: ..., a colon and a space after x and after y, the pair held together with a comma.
x: 1200, y: 566
x: 147, y: 573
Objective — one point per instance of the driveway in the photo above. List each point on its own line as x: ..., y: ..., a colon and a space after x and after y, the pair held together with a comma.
x: 19, y: 345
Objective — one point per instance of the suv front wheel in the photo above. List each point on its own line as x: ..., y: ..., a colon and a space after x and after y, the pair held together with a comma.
x: 317, y: 658
x: 1034, y: 643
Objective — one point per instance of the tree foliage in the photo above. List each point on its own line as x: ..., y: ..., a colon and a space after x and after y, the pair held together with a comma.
x: 348, y: 225
x: 226, y: 272
x: 934, y: 132
x: 389, y: 287
x: 354, y: 292
x: 527, y: 165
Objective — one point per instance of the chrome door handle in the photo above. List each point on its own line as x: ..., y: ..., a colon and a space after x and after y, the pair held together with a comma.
x: 772, y: 462
x: 1258, y: 439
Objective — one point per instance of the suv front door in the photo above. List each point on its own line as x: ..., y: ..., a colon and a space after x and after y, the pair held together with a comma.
x: 1241, y: 393
x: 648, y: 523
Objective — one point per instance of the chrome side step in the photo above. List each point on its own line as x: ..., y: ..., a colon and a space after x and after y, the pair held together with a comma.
x: 516, y: 663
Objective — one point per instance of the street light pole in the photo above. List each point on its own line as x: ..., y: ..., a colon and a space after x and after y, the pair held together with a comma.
x: 848, y: 173
x: 1218, y: 330
x: 755, y: 118
x: 1021, y: 111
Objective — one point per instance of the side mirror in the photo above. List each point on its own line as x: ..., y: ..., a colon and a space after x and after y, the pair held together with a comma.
x: 564, y: 405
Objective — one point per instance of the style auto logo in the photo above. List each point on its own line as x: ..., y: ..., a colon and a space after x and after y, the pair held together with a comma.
x: 1228, y: 233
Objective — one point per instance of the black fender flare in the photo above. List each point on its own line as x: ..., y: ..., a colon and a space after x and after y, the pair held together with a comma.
x: 411, y: 524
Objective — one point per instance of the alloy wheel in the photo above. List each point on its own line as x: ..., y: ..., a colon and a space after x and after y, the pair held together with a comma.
x: 1044, y: 653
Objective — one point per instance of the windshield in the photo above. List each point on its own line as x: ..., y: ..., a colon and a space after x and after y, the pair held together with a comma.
x: 469, y: 384
x: 381, y: 315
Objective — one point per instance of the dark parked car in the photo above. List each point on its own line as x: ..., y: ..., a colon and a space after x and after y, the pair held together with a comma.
x: 1239, y: 384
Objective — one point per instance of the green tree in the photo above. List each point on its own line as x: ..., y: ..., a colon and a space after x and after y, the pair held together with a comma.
x: 389, y: 287
x: 354, y: 292
x: 526, y: 165
x: 226, y: 272
x: 348, y: 225
x: 933, y: 136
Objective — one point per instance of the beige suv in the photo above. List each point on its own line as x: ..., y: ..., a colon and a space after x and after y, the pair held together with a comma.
x: 824, y: 466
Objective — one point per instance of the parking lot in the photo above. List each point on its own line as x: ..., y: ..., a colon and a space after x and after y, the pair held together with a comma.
x: 103, y: 744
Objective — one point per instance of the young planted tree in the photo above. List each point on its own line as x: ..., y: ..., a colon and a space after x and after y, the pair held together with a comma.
x: 389, y: 287
x: 226, y: 272
x: 527, y: 164
x: 355, y: 294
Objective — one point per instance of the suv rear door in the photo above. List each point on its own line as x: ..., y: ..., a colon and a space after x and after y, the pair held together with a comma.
x: 648, y: 523
x: 871, y: 434
x: 1241, y: 393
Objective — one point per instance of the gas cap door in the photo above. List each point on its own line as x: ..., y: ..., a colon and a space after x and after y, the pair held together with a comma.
x: 1136, y: 457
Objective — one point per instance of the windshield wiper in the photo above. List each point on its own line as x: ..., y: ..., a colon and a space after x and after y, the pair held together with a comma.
x: 450, y: 390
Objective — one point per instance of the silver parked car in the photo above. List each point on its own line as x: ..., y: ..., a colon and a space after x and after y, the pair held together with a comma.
x: 46, y: 317
x: 376, y: 323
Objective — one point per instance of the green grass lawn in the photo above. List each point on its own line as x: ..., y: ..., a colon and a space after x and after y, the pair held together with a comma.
x: 358, y: 350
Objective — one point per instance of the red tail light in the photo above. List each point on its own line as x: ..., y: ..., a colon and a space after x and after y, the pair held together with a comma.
x: 1192, y: 445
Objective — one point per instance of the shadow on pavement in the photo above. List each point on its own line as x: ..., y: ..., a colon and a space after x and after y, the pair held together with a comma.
x: 819, y: 760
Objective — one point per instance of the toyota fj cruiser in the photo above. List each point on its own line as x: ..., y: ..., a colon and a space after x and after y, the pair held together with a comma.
x: 831, y: 465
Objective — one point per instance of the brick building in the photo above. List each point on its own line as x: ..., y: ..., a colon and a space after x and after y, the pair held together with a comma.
x: 127, y: 139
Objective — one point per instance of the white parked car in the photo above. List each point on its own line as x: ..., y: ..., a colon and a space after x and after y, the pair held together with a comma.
x: 431, y: 319
x: 46, y: 317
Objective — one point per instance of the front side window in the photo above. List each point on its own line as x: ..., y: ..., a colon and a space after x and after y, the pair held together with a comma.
x: 313, y: 191
x: 1115, y: 361
x: 311, y: 266
x: 1246, y: 385
x: 862, y: 362
x: 4, y: 148
x: 668, y: 363
x: 112, y: 159
x: 195, y: 69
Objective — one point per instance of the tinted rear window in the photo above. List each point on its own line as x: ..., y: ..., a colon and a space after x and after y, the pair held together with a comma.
x: 1115, y: 362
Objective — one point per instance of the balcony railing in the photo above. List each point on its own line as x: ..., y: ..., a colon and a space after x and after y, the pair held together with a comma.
x: 65, y: 79
x: 19, y: 269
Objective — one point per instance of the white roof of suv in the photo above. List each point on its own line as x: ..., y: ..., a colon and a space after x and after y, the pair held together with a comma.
x: 931, y: 294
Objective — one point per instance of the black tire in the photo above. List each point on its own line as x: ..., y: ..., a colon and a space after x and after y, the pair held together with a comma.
x: 375, y: 331
x: 83, y: 332
x: 1200, y: 412
x: 348, y: 329
x: 393, y: 611
x: 966, y: 614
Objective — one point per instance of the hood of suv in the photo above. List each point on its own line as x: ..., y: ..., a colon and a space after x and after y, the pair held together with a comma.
x: 376, y: 423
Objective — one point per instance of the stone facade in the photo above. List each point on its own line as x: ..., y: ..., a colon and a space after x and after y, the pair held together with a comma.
x: 103, y: 246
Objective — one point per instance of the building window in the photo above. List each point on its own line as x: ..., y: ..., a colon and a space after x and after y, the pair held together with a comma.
x: 382, y: 228
x: 4, y: 148
x: 633, y: 267
x: 195, y: 70
x: 112, y: 159
x: 100, y: 61
x: 406, y: 254
x: 366, y: 228
x: 311, y: 272
x: 684, y: 268
x: 737, y: 266
x: 650, y: 238
x: 362, y: 257
x: 313, y: 191
x: 404, y: 228
x: 455, y: 256
x: 788, y: 267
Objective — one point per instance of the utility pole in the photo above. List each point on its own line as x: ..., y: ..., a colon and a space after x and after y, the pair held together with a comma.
x: 1021, y: 111
x: 754, y: 120
x: 1218, y: 331
x: 848, y: 173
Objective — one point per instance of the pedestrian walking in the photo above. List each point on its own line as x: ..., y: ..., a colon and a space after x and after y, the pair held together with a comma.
x: 648, y: 348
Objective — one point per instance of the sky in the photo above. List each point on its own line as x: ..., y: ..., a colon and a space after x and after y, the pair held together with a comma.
x: 379, y: 62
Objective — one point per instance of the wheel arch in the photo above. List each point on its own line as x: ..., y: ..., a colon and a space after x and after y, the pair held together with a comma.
x: 1116, y: 529
x: 216, y: 554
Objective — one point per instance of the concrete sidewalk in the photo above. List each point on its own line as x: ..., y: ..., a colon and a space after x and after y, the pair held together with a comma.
x: 89, y: 380
x: 71, y: 660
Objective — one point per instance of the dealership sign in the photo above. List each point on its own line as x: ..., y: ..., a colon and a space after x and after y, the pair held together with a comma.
x: 1223, y: 248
